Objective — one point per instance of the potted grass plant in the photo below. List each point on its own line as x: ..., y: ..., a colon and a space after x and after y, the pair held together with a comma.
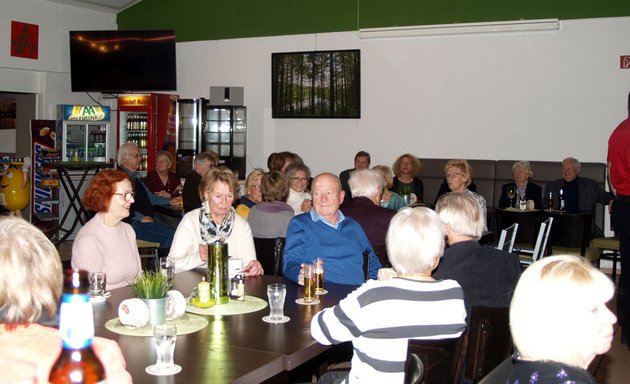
x: 152, y: 288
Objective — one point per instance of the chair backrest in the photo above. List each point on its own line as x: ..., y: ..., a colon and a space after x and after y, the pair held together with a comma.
x: 508, y: 235
x: 571, y: 230
x: 528, y: 223
x: 541, y: 240
x: 500, y: 374
x: 366, y: 265
x: 414, y: 369
x: 489, y: 341
x: 443, y: 359
x: 269, y: 253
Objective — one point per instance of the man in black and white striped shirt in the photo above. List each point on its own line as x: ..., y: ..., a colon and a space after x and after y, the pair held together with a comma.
x: 381, y: 316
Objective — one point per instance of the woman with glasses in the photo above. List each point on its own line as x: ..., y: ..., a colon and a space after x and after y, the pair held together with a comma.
x: 253, y: 195
x: 161, y: 180
x: 299, y: 198
x: 458, y: 174
x: 106, y: 243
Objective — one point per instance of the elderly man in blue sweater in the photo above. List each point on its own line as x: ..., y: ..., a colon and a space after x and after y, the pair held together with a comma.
x: 326, y: 233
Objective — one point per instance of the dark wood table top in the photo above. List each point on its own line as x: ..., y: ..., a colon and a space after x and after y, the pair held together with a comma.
x: 171, y: 210
x: 234, y: 349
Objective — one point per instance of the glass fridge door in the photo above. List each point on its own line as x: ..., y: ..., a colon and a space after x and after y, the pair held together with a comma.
x: 218, y: 131
x: 75, y: 143
x: 96, y: 142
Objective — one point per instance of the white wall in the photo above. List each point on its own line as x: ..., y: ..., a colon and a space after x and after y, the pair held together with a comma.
x: 49, y: 75
x: 535, y: 95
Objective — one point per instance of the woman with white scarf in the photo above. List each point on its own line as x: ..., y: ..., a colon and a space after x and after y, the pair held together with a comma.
x: 215, y: 220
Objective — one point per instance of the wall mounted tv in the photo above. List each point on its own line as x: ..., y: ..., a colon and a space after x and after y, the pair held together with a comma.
x: 317, y: 84
x: 123, y: 61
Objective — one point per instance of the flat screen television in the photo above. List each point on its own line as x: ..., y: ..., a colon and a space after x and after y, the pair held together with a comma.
x: 316, y: 84
x: 123, y: 61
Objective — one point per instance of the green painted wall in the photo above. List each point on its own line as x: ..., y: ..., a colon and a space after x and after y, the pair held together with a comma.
x: 213, y: 19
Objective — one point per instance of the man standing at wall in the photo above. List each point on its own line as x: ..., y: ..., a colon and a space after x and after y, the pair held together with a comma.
x: 619, y: 177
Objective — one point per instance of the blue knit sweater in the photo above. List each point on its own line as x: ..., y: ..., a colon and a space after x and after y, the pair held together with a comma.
x: 341, y: 248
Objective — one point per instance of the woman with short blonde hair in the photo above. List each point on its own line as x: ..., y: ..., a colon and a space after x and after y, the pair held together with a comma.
x: 253, y: 193
x: 216, y: 220
x: 31, y: 278
x: 458, y: 174
x: 559, y: 320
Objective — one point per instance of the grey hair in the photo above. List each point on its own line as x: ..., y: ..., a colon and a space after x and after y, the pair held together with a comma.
x: 463, y: 214
x: 524, y: 165
x: 124, y: 150
x: 366, y: 183
x: 295, y: 168
x: 415, y: 240
x: 574, y: 161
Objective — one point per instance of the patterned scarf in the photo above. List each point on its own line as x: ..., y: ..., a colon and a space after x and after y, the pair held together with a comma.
x: 208, y: 228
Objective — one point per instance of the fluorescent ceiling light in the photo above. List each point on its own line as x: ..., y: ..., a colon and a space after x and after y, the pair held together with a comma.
x: 460, y: 28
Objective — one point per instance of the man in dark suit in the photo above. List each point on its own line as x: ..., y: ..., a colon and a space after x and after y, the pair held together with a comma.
x: 580, y: 193
x: 361, y: 161
x: 367, y: 186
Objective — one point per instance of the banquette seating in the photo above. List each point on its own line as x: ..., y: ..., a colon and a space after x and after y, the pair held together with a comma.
x: 490, y: 175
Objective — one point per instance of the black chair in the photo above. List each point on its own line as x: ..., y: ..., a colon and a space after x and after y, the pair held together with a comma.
x: 366, y: 265
x: 489, y: 341
x: 443, y: 359
x: 500, y: 374
x: 269, y: 253
x: 414, y: 369
x: 571, y: 234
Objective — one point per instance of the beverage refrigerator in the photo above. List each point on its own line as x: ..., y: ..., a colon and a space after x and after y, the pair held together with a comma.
x: 149, y: 121
x: 225, y: 132
x: 189, y: 130
x: 84, y: 131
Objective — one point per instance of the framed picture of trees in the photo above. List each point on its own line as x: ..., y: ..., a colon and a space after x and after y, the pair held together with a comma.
x: 318, y: 84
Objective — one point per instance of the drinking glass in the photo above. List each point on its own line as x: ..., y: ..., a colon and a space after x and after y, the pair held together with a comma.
x: 167, y: 267
x: 309, y: 283
x: 511, y: 193
x: 276, y: 293
x: 98, y: 283
x: 318, y: 264
x: 164, y: 338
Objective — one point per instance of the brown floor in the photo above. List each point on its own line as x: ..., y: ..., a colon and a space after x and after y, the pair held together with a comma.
x: 612, y: 368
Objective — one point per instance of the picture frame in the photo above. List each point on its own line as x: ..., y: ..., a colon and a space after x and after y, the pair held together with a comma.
x: 316, y: 84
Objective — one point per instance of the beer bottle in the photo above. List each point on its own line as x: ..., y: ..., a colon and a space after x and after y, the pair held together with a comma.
x: 561, y: 199
x: 77, y: 362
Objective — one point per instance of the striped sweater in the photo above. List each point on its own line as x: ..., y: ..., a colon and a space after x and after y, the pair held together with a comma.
x: 380, y: 316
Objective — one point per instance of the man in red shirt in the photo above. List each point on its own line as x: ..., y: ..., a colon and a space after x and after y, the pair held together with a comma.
x: 619, y: 177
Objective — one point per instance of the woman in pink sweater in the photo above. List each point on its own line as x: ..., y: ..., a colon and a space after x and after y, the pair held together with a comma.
x: 105, y: 243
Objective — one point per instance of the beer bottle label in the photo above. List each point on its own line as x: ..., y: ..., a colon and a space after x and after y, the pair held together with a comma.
x: 76, y: 326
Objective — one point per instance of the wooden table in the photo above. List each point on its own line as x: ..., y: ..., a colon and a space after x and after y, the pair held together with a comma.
x: 231, y: 349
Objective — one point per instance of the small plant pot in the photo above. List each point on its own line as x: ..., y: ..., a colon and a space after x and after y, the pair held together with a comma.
x: 157, y: 310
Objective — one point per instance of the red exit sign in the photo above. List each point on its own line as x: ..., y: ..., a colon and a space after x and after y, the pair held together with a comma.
x: 624, y: 62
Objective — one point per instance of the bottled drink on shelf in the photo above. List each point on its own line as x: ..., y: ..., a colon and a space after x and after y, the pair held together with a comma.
x: 77, y: 362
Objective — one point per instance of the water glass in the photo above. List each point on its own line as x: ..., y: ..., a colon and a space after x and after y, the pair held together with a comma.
x: 167, y: 267
x: 164, y: 338
x: 309, y: 283
x: 318, y: 264
x: 276, y: 294
x: 98, y: 283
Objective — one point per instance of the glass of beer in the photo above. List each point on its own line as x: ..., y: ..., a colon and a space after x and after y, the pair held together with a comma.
x: 309, y: 283
x: 318, y: 265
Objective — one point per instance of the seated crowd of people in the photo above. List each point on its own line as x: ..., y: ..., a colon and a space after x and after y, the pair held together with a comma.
x: 419, y: 271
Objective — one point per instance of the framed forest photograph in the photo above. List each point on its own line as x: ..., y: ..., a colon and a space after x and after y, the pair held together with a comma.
x: 317, y: 84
